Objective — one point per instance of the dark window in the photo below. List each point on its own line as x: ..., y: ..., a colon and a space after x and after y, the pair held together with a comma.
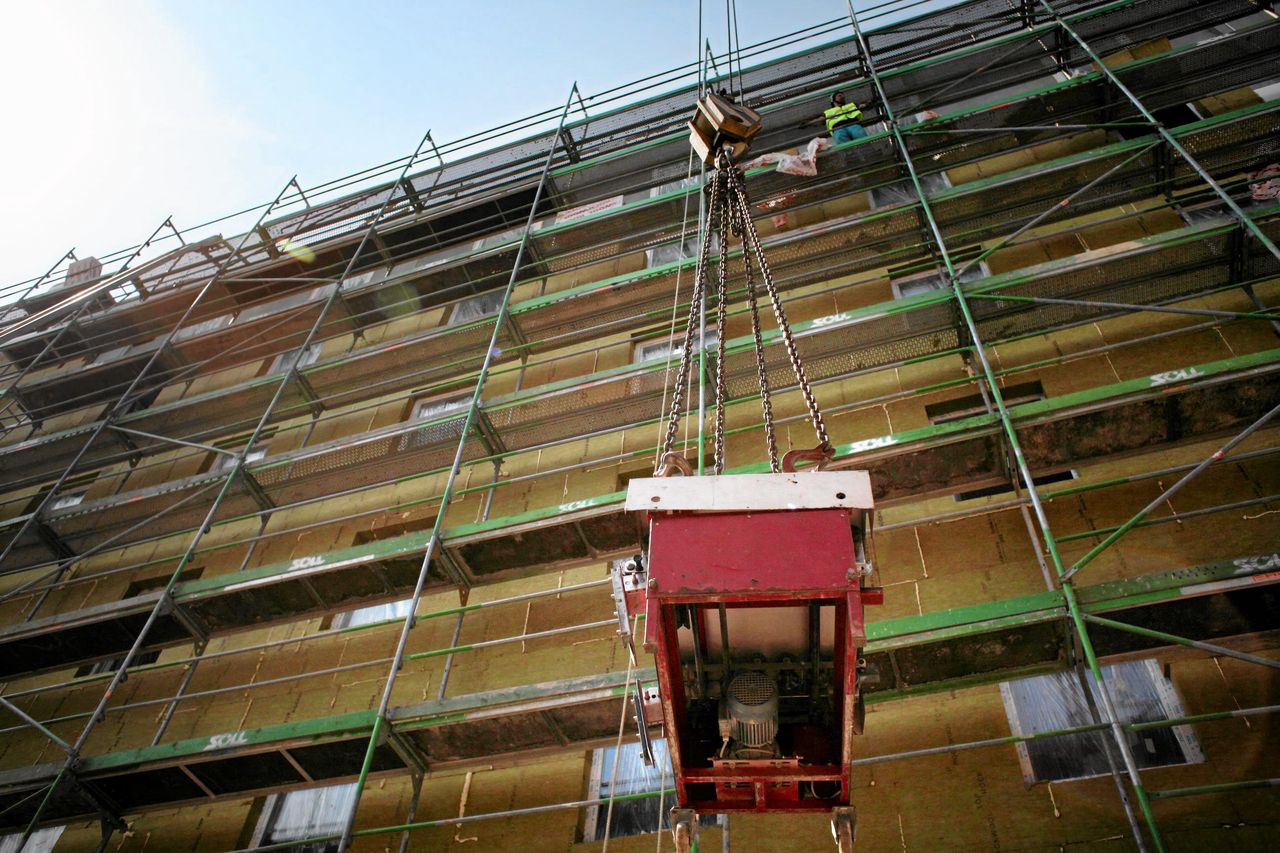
x: 145, y: 656
x: 141, y: 401
x: 966, y: 407
x: 72, y: 493
x: 1006, y: 488
x: 645, y: 469
x: 158, y: 582
x: 142, y: 658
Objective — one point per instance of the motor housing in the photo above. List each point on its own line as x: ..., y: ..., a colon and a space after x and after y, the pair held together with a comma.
x: 751, y: 705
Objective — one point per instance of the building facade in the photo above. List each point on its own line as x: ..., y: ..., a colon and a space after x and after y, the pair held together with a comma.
x: 316, y: 519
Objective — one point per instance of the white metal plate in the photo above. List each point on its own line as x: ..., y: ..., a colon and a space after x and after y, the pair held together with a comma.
x: 736, y: 492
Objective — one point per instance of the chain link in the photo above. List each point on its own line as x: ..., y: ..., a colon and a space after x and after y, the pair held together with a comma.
x: 729, y: 211
x: 738, y: 192
x: 723, y: 166
x: 762, y: 371
x: 695, y: 313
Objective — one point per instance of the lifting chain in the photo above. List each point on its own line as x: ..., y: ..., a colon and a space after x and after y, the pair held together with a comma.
x: 729, y: 212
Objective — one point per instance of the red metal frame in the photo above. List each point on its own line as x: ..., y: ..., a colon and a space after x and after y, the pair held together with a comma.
x: 754, y: 560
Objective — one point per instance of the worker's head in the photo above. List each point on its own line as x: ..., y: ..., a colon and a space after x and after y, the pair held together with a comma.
x: 837, y: 99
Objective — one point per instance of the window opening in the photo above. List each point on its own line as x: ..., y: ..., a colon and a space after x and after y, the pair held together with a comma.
x: 438, y: 407
x: 282, y: 361
x: 630, y: 817
x: 305, y: 814
x: 679, y: 250
x: 904, y: 192
x: 151, y: 584
x: 372, y: 613
x: 1005, y: 488
x: 142, y: 658
x: 41, y: 841
x: 672, y: 186
x: 213, y: 324
x: 70, y: 499
x: 644, y: 468
x: 142, y: 401
x: 387, y: 531
x: 145, y: 656
x: 966, y: 407
x: 914, y: 285
x: 1058, y: 701
x: 224, y: 462
x: 73, y: 492
x: 221, y: 462
x: 476, y: 307
x: 125, y: 292
x: 432, y: 409
x: 659, y: 350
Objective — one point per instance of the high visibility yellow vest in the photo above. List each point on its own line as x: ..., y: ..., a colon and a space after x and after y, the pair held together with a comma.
x: 840, y: 115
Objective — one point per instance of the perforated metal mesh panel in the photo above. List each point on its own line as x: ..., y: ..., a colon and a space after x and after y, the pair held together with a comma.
x: 384, y: 455
x: 1141, y: 277
x: 1250, y: 141
x: 91, y: 522
x: 32, y: 462
x: 1139, y: 23
x: 1212, y: 68
x: 416, y: 362
x: 217, y: 414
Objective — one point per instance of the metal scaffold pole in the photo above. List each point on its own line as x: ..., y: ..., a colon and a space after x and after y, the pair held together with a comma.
x: 165, y: 600
x: 1243, y: 218
x: 349, y: 492
x: 1024, y: 470
x: 473, y: 412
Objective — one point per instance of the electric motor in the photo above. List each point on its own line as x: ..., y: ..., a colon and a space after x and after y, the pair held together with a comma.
x: 751, y: 704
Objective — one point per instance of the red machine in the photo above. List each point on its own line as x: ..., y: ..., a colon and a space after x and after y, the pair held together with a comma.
x: 752, y: 595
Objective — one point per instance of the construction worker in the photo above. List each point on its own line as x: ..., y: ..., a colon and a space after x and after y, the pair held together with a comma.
x: 842, y: 120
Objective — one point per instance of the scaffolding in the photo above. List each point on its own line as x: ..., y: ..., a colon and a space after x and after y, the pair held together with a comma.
x: 301, y: 308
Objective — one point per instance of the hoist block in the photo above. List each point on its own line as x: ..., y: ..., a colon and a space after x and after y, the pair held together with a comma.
x: 752, y: 590
x: 718, y: 122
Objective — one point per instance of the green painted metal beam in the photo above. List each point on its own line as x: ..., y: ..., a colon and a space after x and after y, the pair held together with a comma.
x: 975, y: 624
x: 200, y: 594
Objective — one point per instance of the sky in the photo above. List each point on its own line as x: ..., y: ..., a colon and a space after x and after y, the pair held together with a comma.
x: 120, y: 113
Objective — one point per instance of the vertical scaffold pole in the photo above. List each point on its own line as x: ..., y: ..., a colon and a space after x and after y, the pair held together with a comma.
x: 446, y: 495
x: 1240, y: 216
x: 1112, y: 718
x: 165, y: 598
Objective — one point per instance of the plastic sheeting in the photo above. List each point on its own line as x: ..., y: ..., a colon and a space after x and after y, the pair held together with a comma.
x: 1057, y: 701
x: 1264, y: 183
x: 804, y: 163
x: 41, y: 841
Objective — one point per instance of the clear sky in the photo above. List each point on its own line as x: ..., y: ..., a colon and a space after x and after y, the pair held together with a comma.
x: 121, y: 112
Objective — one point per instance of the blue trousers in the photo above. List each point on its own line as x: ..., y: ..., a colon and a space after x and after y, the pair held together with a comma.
x: 848, y: 133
